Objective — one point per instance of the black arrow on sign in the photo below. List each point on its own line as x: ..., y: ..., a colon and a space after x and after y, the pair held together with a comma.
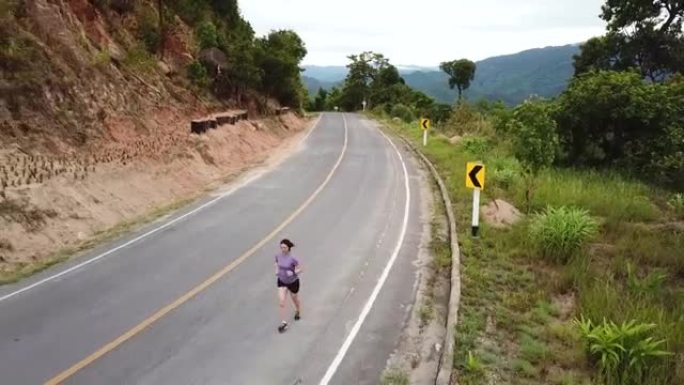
x: 425, y: 123
x: 473, y: 176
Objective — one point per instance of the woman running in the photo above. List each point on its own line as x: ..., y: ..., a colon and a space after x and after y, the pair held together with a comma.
x: 287, y: 271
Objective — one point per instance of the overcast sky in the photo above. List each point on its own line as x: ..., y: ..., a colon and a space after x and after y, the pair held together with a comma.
x: 426, y: 32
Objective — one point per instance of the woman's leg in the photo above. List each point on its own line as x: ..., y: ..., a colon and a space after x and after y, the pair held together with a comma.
x: 294, y: 294
x: 295, y: 300
x: 281, y: 302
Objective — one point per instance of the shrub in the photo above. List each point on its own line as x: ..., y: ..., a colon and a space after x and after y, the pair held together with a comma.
x: 559, y: 233
x: 403, y: 112
x: 676, y: 203
x: 207, y: 35
x: 198, y: 74
x: 625, y: 354
x: 476, y: 145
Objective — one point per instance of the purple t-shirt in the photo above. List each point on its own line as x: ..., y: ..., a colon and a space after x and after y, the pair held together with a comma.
x: 286, y: 262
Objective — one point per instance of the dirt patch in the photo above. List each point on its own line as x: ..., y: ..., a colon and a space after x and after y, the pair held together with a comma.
x: 566, y: 305
x: 500, y: 214
x: 420, y: 348
x: 455, y: 139
x: 149, y: 172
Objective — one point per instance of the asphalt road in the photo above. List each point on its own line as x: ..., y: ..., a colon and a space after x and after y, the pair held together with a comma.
x: 194, y: 302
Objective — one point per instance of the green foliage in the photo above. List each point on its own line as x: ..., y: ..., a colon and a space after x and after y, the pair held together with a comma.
x: 439, y: 112
x: 198, y: 74
x: 464, y: 119
x: 191, y: 11
x: 278, y: 56
x: 534, y: 135
x: 505, y: 172
x: 207, y: 35
x: 475, y: 145
x: 597, y: 192
x: 611, y: 118
x: 502, y: 277
x: 525, y: 368
x: 403, y: 112
x: 649, y: 286
x: 140, y: 59
x: 148, y: 31
x: 364, y: 69
x: 473, y: 365
x: 334, y: 99
x: 227, y: 9
x: 461, y: 73
x: 560, y: 233
x: 320, y: 102
x: 647, y: 35
x: 625, y: 353
x: 533, y: 350
x: 676, y: 203
x: 102, y: 58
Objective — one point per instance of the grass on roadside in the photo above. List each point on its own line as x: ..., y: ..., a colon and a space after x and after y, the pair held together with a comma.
x: 518, y: 306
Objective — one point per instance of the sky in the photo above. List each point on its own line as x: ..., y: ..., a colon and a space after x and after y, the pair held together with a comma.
x: 426, y: 32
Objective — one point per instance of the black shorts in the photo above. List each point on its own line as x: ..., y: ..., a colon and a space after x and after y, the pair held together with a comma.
x: 292, y: 287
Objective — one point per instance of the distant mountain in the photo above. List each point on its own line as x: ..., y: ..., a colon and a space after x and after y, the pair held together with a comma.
x: 313, y: 84
x: 325, y: 73
x: 511, y: 78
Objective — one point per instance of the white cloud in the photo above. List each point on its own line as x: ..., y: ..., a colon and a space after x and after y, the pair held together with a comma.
x: 426, y: 32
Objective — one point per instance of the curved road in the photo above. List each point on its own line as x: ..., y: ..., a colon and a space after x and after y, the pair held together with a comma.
x: 194, y: 302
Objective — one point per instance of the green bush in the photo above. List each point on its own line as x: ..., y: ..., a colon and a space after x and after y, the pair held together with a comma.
x: 608, y: 118
x: 650, y: 286
x: 402, y: 112
x: 534, y: 133
x: 207, y: 35
x: 559, y: 233
x: 198, y: 74
x: 505, y: 178
x: 506, y: 171
x: 676, y: 203
x: 149, y: 30
x: 139, y: 59
x: 475, y: 145
x: 625, y: 354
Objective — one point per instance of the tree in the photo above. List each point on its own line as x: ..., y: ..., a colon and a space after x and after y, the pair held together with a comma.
x: 227, y: 9
x: 207, y: 35
x: 535, y: 142
x: 320, y: 102
x: 334, y: 98
x: 363, y: 71
x: 600, y: 113
x: 278, y: 56
x: 643, y: 34
x: 461, y: 73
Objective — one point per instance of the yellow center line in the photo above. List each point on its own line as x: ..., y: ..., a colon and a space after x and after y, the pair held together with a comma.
x: 61, y: 377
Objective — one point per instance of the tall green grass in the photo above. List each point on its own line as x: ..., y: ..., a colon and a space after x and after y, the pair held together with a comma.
x: 603, y: 194
x: 560, y: 233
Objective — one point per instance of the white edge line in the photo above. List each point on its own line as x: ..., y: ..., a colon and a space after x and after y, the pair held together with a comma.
x: 147, y: 234
x: 381, y: 281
